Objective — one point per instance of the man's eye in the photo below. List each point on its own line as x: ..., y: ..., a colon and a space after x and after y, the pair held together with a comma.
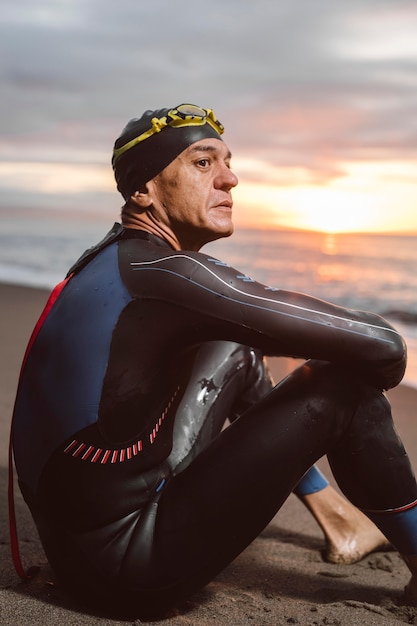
x: 203, y: 162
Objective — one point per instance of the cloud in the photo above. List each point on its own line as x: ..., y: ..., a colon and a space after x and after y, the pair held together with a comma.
x: 302, y: 87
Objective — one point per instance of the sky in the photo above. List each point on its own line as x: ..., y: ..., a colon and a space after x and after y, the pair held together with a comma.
x: 318, y: 99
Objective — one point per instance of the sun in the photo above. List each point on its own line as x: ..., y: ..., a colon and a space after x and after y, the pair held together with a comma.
x: 333, y: 210
x: 325, y: 209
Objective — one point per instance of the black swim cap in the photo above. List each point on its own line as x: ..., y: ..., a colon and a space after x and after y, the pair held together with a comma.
x: 149, y: 143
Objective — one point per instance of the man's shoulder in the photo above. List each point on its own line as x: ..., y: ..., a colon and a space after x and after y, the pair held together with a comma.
x: 114, y: 233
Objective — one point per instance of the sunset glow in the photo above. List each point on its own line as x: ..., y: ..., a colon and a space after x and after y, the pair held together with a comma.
x: 377, y: 197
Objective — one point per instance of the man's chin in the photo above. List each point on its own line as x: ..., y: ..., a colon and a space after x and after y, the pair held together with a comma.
x: 219, y: 234
x: 225, y: 230
x: 223, y: 224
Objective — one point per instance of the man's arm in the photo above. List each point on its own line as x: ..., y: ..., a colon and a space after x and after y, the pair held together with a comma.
x: 282, y: 323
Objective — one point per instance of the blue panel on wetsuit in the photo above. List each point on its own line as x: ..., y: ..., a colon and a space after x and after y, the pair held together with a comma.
x: 399, y: 527
x: 60, y: 390
x: 312, y: 482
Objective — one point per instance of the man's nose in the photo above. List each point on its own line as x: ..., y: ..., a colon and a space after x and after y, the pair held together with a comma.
x: 226, y: 178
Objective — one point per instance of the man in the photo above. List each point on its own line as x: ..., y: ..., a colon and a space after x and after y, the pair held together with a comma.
x: 139, y: 493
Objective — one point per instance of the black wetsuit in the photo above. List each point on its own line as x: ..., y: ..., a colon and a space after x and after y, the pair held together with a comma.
x: 139, y: 495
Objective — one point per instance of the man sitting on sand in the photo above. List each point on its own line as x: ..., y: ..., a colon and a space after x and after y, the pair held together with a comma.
x: 139, y: 493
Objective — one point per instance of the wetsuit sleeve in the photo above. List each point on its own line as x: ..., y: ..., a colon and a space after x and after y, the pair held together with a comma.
x: 281, y: 323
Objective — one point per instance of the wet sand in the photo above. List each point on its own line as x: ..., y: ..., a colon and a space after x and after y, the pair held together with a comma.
x: 280, y: 579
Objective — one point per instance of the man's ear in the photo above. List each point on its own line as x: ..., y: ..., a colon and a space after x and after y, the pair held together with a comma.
x: 142, y: 197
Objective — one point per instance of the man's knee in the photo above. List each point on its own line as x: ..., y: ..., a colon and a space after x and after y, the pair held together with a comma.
x: 258, y: 381
x: 324, y: 390
x: 334, y: 380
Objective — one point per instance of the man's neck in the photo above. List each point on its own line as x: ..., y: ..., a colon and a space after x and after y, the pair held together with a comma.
x: 147, y: 222
x: 179, y: 240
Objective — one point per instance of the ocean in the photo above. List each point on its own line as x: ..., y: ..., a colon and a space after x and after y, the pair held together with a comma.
x: 364, y: 271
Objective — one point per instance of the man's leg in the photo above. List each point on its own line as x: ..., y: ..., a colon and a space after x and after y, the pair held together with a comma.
x: 349, y: 534
x: 217, y: 505
x: 227, y: 379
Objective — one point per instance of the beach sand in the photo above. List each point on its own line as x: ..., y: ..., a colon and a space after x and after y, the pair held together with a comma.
x: 280, y: 579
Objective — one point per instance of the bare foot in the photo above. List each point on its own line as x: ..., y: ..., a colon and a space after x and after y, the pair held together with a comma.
x: 351, y: 544
x: 349, y: 534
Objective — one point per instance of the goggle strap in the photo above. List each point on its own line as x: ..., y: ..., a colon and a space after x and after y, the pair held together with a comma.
x: 176, y: 122
x: 156, y: 127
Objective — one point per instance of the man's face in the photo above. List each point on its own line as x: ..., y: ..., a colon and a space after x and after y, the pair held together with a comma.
x: 192, y: 195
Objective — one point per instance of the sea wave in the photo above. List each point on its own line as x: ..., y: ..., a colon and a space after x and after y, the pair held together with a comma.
x: 366, y: 272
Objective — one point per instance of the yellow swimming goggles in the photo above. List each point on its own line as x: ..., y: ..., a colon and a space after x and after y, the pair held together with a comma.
x: 183, y: 115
